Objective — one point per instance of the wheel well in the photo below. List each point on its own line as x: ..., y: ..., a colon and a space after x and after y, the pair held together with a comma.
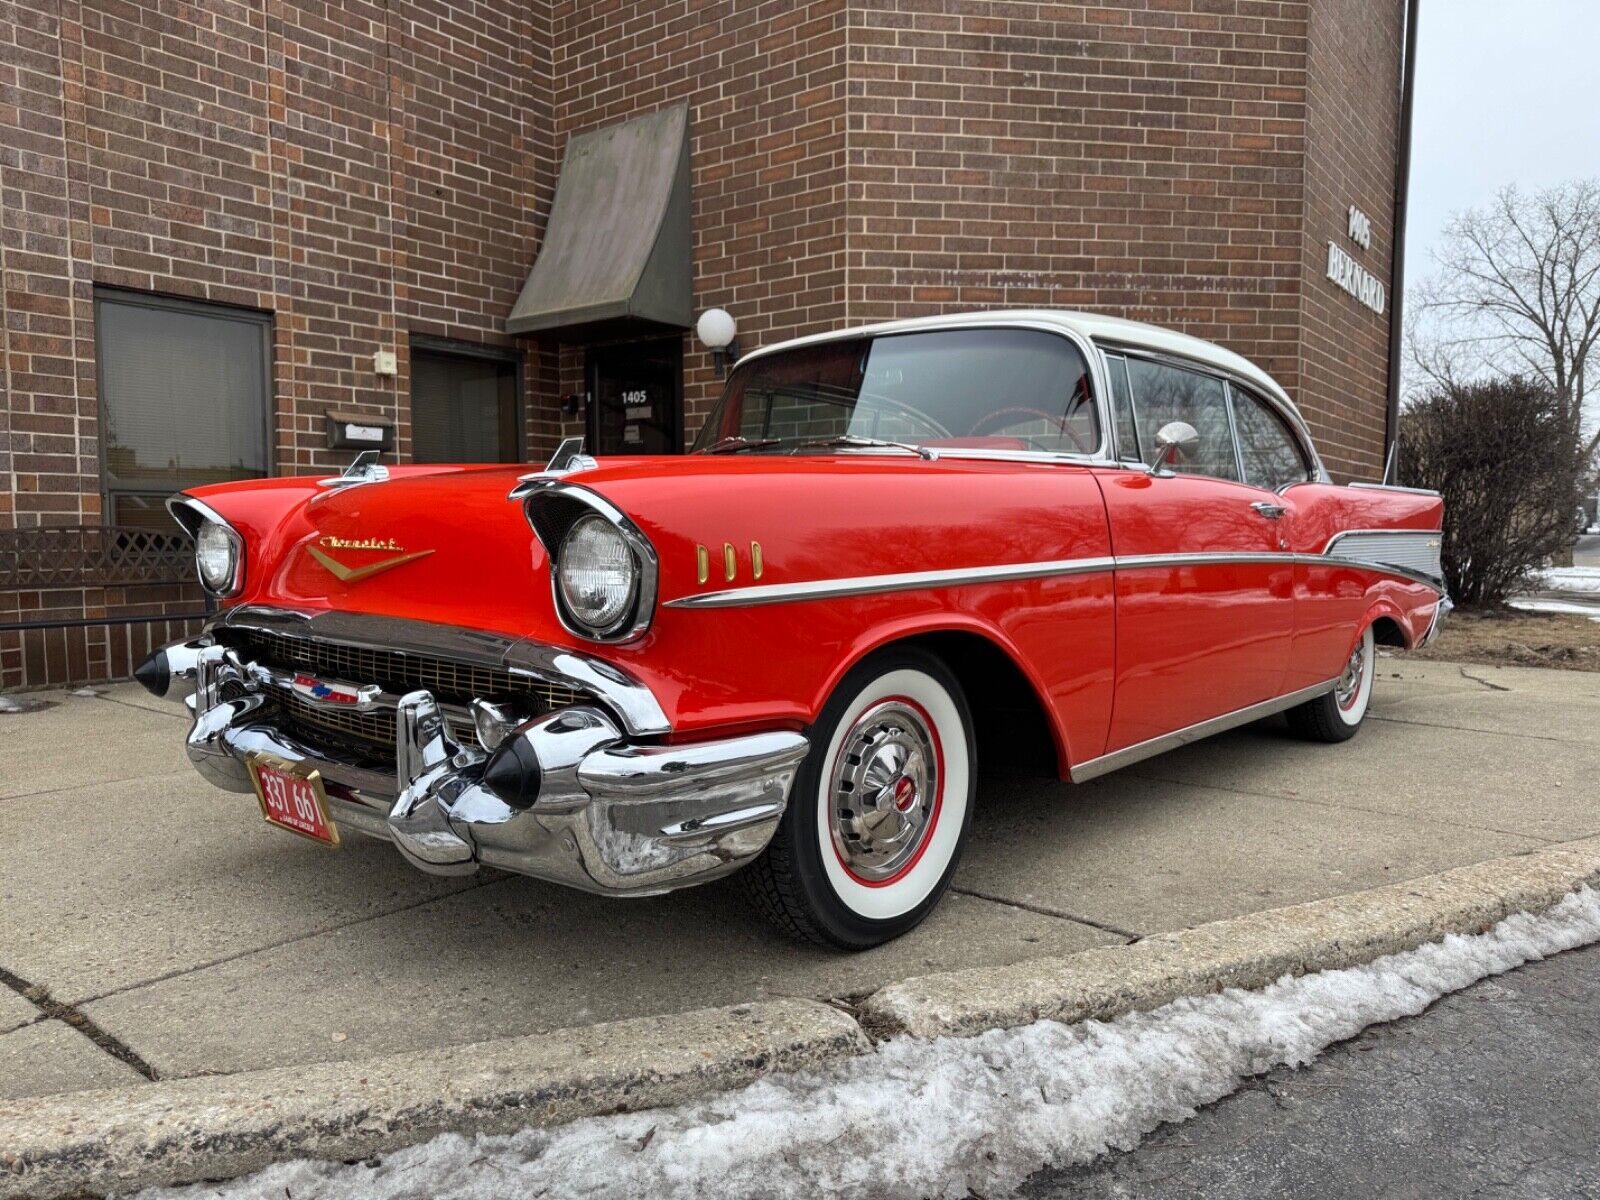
x: 1386, y: 631
x: 1013, y: 730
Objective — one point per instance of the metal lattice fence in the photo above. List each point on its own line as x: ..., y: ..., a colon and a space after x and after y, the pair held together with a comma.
x: 93, y: 556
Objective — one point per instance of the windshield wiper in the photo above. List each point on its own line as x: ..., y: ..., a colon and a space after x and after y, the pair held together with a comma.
x: 738, y: 442
x: 851, y: 439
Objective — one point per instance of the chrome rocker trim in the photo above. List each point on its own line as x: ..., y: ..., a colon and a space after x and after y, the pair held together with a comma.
x: 1129, y: 755
x: 610, y: 815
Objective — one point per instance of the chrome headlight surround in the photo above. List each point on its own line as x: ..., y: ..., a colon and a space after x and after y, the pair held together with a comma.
x: 555, y: 509
x: 201, y: 520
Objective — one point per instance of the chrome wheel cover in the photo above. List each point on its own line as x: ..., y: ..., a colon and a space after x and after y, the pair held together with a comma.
x: 1355, y: 672
x: 884, y: 790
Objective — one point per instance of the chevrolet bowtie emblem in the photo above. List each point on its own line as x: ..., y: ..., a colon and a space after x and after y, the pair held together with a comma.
x: 346, y: 574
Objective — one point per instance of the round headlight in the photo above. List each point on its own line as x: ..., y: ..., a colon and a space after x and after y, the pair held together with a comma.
x: 216, y: 556
x: 598, y: 574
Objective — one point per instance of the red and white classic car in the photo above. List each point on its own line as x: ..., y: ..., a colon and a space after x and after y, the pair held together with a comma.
x: 1029, y: 540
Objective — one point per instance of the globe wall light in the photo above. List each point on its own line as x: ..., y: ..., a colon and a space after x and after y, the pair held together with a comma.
x: 718, y: 333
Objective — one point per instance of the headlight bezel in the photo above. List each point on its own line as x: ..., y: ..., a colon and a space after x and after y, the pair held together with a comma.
x: 554, y: 509
x: 196, y: 517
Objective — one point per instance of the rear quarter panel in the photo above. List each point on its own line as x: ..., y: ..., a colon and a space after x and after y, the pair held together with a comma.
x: 1334, y: 602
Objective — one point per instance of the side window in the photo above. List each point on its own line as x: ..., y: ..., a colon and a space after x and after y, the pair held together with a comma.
x: 1272, y: 456
x: 1162, y: 393
x: 1128, y: 448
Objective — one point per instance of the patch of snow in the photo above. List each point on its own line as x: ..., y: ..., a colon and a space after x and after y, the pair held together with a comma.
x: 85, y: 691
x: 11, y: 705
x: 1569, y: 579
x: 1545, y: 604
x: 937, y: 1118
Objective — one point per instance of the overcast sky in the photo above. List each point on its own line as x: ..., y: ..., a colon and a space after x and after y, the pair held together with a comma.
x: 1507, y: 91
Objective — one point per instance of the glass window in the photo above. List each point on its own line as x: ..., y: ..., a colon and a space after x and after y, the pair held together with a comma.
x: 998, y: 389
x: 1163, y: 393
x: 1128, y: 448
x: 1272, y: 456
x: 463, y: 408
x: 183, y: 399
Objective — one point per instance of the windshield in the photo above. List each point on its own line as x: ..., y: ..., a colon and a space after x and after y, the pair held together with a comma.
x: 985, y: 389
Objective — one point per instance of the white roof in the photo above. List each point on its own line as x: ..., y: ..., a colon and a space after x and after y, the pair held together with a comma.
x: 1111, y: 331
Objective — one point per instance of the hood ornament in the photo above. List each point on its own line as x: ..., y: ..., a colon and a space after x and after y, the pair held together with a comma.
x: 568, y: 458
x: 364, y: 469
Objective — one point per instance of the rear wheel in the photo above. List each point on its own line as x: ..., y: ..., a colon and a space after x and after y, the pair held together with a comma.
x: 880, y: 807
x: 1335, y: 716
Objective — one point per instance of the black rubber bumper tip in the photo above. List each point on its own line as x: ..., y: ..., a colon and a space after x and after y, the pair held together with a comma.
x: 513, y: 773
x: 154, y: 675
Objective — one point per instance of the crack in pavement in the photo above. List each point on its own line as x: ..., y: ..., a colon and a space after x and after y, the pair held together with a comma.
x: 1536, y: 737
x: 1493, y: 687
x: 179, y: 972
x: 68, y: 1014
x: 1045, y: 911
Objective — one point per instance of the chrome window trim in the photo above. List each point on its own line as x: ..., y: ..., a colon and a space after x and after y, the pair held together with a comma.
x: 630, y: 700
x: 633, y: 625
x: 1101, y: 455
x: 863, y: 585
x: 1296, y: 422
x: 206, y: 513
x: 1233, y: 432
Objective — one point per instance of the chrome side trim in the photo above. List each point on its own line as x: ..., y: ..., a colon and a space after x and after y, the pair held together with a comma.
x: 628, y: 699
x: 1128, y: 755
x: 1393, y: 487
x: 863, y: 585
x: 787, y: 593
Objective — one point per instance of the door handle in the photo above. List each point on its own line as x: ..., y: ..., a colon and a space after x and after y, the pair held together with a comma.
x: 1268, y: 510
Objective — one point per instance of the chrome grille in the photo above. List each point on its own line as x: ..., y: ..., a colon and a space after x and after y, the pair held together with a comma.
x: 1410, y: 549
x: 450, y: 682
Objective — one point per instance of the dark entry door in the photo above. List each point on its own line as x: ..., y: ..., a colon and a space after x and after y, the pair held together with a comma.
x: 636, y: 398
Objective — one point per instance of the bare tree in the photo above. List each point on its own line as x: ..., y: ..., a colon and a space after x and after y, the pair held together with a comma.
x: 1517, y: 291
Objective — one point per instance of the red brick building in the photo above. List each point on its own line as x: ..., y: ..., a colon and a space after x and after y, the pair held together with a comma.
x: 220, y: 218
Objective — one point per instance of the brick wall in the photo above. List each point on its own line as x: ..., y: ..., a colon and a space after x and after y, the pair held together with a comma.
x: 765, y: 84
x: 1353, y: 113
x: 361, y: 170
x: 367, y: 170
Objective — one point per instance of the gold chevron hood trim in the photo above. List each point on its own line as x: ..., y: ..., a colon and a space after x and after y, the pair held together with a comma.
x: 346, y: 574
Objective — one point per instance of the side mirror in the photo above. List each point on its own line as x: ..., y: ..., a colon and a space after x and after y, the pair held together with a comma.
x: 1174, y: 440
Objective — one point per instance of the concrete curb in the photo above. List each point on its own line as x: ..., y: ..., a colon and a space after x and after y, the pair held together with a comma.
x: 1246, y: 952
x: 222, y: 1126
x: 191, y: 1129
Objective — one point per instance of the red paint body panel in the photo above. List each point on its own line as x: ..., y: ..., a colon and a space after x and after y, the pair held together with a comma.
x: 1115, y: 657
x: 1194, y: 640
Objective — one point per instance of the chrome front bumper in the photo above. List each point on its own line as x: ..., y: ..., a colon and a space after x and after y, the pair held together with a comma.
x: 604, y: 811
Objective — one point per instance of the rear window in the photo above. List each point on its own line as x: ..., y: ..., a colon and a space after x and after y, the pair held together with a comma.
x: 992, y: 389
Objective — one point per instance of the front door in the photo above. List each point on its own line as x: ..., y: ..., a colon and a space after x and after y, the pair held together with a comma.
x: 1205, y: 585
x: 636, y: 397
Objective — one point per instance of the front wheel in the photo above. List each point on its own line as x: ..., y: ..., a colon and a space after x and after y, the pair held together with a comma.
x: 879, y: 810
x: 1336, y: 716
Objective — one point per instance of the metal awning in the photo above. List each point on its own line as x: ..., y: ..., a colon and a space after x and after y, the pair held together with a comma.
x: 615, y: 256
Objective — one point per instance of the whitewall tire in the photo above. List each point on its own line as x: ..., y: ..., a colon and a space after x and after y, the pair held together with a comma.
x: 880, y: 807
x: 1336, y: 716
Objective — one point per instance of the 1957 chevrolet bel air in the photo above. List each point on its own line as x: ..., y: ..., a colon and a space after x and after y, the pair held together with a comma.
x: 1041, y: 541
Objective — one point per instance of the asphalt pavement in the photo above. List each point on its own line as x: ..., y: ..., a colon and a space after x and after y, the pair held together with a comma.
x: 1494, y: 1091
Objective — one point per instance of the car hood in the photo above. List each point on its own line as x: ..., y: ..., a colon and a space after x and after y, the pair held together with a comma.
x: 446, y: 544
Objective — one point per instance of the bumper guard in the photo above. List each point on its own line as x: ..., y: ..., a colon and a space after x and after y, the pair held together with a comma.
x: 609, y: 814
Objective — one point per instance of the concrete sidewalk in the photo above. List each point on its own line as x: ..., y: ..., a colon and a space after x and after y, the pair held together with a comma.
x: 184, y: 937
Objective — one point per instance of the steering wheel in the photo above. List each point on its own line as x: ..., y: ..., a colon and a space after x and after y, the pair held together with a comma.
x: 1005, y: 416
